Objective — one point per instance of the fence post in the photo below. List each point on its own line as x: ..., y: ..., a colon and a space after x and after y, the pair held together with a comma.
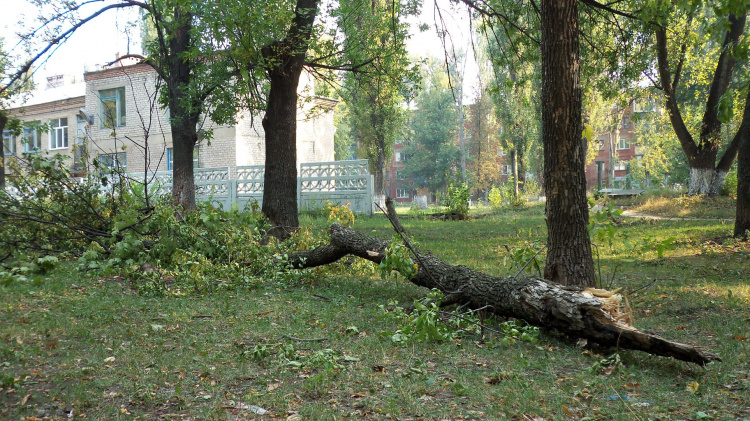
x: 371, y: 192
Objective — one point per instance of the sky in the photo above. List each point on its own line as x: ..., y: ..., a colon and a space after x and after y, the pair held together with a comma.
x: 99, y: 41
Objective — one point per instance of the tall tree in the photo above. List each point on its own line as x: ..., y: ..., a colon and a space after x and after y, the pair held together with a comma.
x: 483, y: 143
x: 287, y: 58
x: 431, y: 155
x: 675, y: 27
x: 569, y: 258
x: 376, y: 91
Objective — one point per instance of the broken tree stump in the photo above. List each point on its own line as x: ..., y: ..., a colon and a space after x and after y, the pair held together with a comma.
x: 594, y: 314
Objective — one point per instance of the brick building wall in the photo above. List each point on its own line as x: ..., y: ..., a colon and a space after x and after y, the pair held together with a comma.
x: 124, y: 122
x: 614, y: 151
x: 42, y: 111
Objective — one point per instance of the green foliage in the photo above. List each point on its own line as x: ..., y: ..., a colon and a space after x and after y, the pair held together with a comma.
x: 397, y: 259
x: 646, y: 244
x: 341, y: 214
x: 730, y: 184
x: 431, y: 155
x: 518, y: 330
x: 110, y: 224
x: 426, y: 323
x: 526, y: 255
x: 603, y: 222
x: 505, y: 195
x: 456, y: 199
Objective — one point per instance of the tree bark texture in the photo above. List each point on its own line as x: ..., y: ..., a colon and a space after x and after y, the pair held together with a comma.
x: 742, y: 219
x: 280, y: 122
x: 569, y: 259
x: 3, y: 122
x: 596, y: 315
x: 706, y: 175
x: 184, y: 121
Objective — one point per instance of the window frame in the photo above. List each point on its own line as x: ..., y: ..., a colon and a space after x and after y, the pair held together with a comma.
x: 623, y: 141
x: 196, y: 157
x: 402, y: 194
x: 35, y: 133
x: 118, y: 97
x: 11, y: 148
x: 53, y: 134
x: 113, y: 160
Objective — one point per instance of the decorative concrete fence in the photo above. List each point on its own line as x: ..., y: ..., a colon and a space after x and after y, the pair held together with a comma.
x: 339, y: 182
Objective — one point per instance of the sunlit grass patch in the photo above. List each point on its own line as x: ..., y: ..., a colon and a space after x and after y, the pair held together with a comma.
x: 681, y: 206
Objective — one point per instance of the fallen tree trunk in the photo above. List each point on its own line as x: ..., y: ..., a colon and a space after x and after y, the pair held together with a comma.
x: 594, y: 314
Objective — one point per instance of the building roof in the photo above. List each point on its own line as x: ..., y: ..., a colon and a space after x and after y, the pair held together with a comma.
x: 44, y: 96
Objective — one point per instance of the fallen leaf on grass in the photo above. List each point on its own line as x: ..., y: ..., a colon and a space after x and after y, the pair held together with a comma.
x: 273, y: 386
x: 692, y: 387
x: 109, y: 359
x: 25, y: 399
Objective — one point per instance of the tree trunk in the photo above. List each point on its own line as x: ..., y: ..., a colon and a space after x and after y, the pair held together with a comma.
x: 514, y: 171
x: 379, y: 167
x: 569, y: 259
x: 184, y: 139
x: 596, y: 315
x: 183, y: 122
x: 742, y: 220
x: 3, y: 122
x: 280, y: 121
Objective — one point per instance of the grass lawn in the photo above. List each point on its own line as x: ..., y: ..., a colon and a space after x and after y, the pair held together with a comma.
x: 676, y: 205
x: 78, y: 345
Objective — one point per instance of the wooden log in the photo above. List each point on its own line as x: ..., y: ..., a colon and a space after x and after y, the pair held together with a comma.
x: 594, y: 314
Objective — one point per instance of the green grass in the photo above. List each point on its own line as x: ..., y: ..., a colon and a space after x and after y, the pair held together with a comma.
x: 675, y: 205
x: 90, y: 344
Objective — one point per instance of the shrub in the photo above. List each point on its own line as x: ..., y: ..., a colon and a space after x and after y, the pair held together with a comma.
x: 730, y: 184
x: 457, y: 199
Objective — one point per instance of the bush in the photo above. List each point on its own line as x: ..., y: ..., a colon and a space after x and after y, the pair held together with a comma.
x: 457, y: 199
x: 730, y: 184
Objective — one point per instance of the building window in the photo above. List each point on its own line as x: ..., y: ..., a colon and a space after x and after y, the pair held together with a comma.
x: 399, y: 157
x: 118, y: 160
x: 32, y: 138
x: 9, y: 143
x: 625, y: 122
x: 196, y: 158
x: 112, y: 108
x: 623, y: 144
x: 400, y: 175
x: 621, y: 166
x: 505, y: 170
x: 58, y: 134
x: 402, y: 194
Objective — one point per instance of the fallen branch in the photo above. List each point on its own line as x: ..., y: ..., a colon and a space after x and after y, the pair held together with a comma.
x: 594, y: 314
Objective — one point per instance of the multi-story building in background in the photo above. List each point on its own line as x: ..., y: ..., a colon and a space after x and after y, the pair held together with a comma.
x: 113, y: 116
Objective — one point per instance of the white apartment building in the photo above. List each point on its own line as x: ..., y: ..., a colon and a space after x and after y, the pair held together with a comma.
x: 114, y: 116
